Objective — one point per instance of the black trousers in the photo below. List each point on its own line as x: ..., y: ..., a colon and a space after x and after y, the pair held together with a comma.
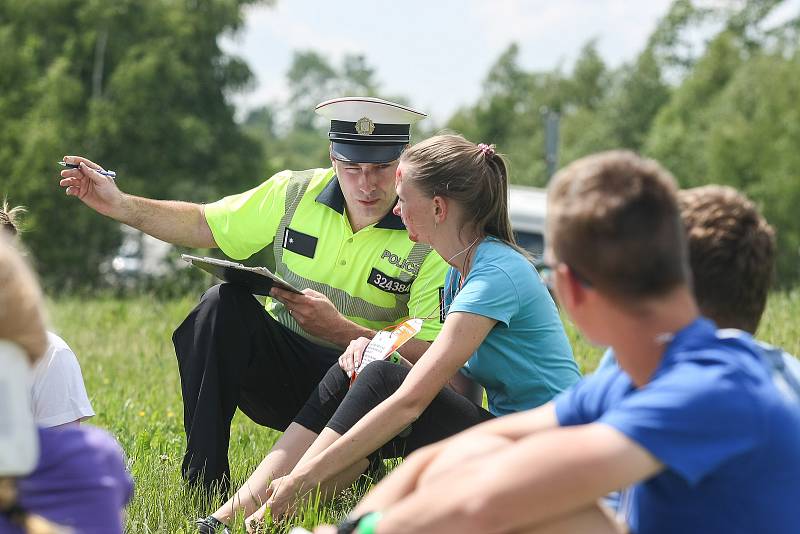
x: 232, y: 353
x: 335, y: 405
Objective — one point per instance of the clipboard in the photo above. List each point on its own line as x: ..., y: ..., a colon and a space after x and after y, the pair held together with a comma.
x: 259, y: 280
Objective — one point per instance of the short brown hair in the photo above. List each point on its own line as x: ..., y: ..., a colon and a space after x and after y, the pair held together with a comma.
x: 731, y: 252
x: 613, y: 218
x: 21, y: 312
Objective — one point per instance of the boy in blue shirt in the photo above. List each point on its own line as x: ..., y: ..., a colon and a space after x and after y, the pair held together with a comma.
x: 732, y: 257
x: 691, y: 416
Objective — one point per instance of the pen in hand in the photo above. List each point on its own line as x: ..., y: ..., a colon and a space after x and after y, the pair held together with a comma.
x: 110, y: 174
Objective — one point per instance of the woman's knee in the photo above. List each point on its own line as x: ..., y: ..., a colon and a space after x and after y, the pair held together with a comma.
x: 335, y: 382
x: 324, y: 400
x: 374, y: 384
x: 382, y: 373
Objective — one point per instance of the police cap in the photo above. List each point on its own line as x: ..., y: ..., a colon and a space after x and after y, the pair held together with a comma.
x: 368, y: 130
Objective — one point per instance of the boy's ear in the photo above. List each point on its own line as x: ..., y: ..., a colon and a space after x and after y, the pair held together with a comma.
x: 572, y: 291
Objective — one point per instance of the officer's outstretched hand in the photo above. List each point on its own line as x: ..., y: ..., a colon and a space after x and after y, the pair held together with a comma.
x: 313, y: 311
x: 97, y: 191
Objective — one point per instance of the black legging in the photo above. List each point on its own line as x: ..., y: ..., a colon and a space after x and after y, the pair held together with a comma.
x: 333, y: 405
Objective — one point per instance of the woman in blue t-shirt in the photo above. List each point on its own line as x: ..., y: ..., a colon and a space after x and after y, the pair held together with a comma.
x: 501, y: 330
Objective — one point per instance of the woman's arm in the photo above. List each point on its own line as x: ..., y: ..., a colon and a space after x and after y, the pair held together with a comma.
x: 461, y: 335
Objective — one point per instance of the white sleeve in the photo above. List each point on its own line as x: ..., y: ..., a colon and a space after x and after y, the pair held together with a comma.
x: 58, y: 394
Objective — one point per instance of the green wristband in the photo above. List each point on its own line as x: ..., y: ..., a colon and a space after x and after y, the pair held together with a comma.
x: 369, y: 523
x: 395, y: 357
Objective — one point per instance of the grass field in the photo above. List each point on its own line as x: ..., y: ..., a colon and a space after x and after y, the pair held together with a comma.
x: 130, y: 371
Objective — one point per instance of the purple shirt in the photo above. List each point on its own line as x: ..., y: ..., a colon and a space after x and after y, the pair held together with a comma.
x: 80, y: 482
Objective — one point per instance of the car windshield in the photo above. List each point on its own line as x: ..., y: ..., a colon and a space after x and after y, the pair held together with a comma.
x: 532, y: 242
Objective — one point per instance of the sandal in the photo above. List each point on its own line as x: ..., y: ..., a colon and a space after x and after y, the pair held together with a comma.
x: 210, y: 525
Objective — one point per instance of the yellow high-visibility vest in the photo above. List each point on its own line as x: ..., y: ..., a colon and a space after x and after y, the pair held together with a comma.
x: 375, y: 277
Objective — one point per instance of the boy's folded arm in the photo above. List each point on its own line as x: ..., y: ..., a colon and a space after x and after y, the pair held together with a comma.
x: 515, y: 426
x: 565, y: 470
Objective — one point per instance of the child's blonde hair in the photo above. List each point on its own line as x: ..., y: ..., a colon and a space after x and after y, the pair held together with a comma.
x: 8, y: 218
x: 22, y: 322
x: 22, y: 319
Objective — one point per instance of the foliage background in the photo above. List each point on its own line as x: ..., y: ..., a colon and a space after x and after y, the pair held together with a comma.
x: 144, y: 88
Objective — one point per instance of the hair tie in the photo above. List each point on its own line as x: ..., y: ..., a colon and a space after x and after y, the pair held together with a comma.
x: 486, y: 150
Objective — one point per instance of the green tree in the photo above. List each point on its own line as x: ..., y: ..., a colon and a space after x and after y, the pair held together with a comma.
x: 637, y: 92
x: 589, y: 81
x: 639, y: 97
x: 296, y: 140
x: 311, y: 80
x: 138, y: 86
x: 753, y: 145
x: 745, y: 136
x: 585, y: 127
x: 509, y: 114
x: 731, y: 121
x: 682, y: 124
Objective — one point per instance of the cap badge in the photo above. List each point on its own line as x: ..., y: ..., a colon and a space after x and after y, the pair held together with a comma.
x: 365, y: 126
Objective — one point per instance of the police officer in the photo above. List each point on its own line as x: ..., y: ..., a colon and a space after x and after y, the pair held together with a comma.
x: 332, y: 232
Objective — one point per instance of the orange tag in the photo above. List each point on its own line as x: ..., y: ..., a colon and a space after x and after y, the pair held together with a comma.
x: 384, y: 343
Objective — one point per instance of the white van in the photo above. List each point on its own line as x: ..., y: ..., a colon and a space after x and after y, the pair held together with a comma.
x: 527, y: 207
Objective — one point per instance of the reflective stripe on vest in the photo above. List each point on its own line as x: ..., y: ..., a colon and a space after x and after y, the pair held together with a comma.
x: 344, y: 302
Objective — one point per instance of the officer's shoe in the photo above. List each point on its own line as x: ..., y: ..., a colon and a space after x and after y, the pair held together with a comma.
x: 211, y: 525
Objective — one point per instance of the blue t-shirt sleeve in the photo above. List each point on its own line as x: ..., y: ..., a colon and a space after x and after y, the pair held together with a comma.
x: 488, y: 291
x: 586, y: 401
x: 693, y: 421
x: 609, y: 359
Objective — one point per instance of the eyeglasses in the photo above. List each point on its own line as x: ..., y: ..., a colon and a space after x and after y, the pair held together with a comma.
x: 547, y: 272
